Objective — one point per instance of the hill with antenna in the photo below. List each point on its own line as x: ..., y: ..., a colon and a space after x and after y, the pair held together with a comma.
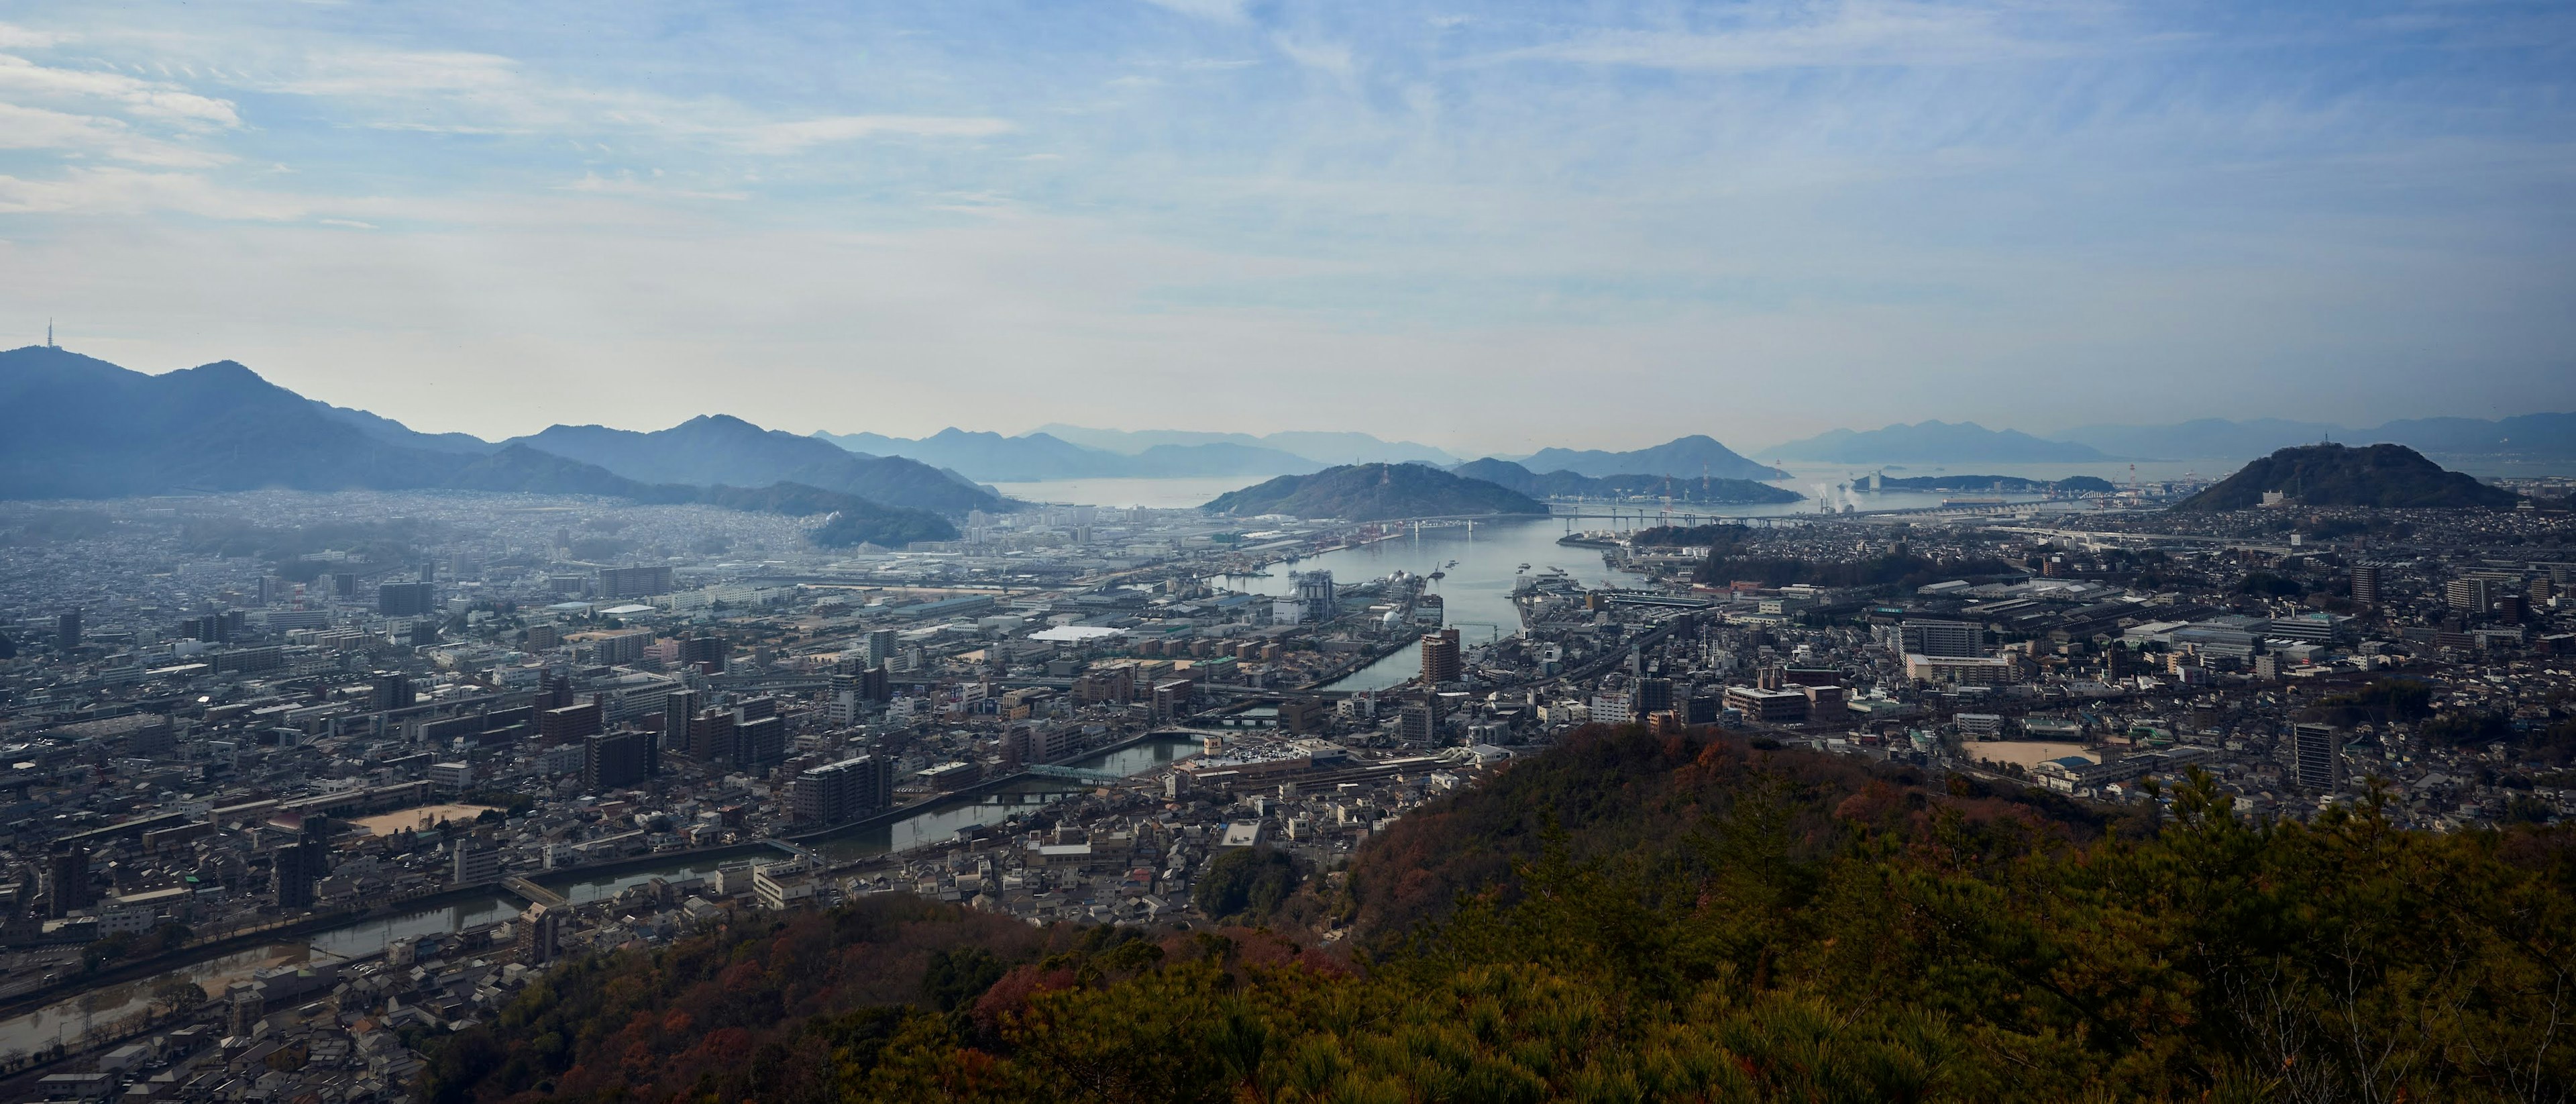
x: 2386, y: 476
x: 1694, y: 490
x: 1375, y: 492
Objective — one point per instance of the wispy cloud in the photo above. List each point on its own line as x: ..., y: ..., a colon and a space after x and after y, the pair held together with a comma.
x: 1330, y: 57
x: 1226, y: 11
x: 22, y: 80
x: 15, y: 37
x: 36, y: 128
x: 596, y: 184
x: 803, y: 134
x: 116, y: 191
x: 1853, y: 33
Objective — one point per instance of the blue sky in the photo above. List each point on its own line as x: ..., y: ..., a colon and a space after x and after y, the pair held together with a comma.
x: 1489, y: 227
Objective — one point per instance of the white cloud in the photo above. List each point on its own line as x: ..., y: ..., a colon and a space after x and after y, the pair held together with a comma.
x: 94, y: 136
x: 1223, y: 11
x: 401, y: 72
x: 112, y: 191
x: 595, y: 184
x: 1329, y: 57
x: 792, y: 137
x: 1854, y: 34
x: 15, y: 37
x: 21, y: 78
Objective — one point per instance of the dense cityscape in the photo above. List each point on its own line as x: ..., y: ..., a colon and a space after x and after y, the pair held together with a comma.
x: 295, y: 791
x: 1287, y: 552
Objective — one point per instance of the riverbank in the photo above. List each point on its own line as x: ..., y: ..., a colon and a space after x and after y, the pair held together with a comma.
x: 167, y: 961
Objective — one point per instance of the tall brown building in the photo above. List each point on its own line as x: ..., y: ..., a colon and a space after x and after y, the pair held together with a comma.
x: 1440, y: 657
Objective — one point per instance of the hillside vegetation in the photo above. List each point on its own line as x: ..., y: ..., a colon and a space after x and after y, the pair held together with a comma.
x: 1375, y: 492
x: 1565, y: 484
x: 2389, y: 476
x: 1638, y: 918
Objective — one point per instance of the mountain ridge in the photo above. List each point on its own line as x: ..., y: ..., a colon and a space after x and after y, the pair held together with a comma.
x: 2384, y: 476
x: 1566, y: 484
x: 75, y: 426
x: 1375, y: 492
x: 1037, y: 457
x: 1934, y: 442
x: 722, y: 449
x: 1688, y: 457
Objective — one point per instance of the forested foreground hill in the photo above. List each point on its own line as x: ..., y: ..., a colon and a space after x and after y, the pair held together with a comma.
x: 1642, y: 918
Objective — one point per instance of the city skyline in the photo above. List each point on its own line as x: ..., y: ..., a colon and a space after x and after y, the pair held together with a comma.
x: 1410, y: 221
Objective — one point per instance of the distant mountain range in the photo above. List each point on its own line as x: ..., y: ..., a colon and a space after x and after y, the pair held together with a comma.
x: 2527, y: 436
x: 2391, y: 476
x: 1566, y: 484
x: 73, y: 426
x: 1933, y: 442
x: 1034, y: 457
x: 1689, y: 457
x: 1375, y: 492
x: 1319, y: 447
x: 719, y: 448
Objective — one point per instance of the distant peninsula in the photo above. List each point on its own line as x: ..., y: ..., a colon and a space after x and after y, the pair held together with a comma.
x: 1694, y: 490
x: 2001, y: 484
x: 2388, y: 476
x: 1375, y: 492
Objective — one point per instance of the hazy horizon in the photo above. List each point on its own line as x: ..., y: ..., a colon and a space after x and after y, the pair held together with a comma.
x: 1487, y: 230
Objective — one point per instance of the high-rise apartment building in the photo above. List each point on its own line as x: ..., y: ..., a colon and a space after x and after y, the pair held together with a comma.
x: 67, y: 881
x: 612, y: 759
x: 2470, y: 595
x: 679, y: 708
x: 837, y: 793
x: 2316, y: 756
x: 707, y: 652
x: 634, y: 582
x: 405, y: 599
x: 877, y: 648
x: 1941, y: 638
x: 1440, y: 663
x: 298, y: 866
x: 571, y: 722
x: 2365, y: 584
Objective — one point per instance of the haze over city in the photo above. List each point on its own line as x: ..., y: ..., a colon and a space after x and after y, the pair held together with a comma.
x: 1489, y: 228
x: 1766, y: 551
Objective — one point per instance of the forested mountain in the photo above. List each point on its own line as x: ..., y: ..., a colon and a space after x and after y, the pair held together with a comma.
x: 2392, y: 476
x: 1375, y: 492
x: 76, y: 427
x: 1694, y: 917
x: 718, y: 448
x: 392, y: 432
x: 1696, y: 490
x: 1933, y: 442
x: 1688, y: 457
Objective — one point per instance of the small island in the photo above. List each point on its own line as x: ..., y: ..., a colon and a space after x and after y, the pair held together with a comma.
x: 1376, y: 492
x: 1696, y: 491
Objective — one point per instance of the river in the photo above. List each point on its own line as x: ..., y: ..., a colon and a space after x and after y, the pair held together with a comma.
x: 71, y: 1017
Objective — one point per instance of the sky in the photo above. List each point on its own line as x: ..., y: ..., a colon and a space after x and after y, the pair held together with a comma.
x: 1488, y: 227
